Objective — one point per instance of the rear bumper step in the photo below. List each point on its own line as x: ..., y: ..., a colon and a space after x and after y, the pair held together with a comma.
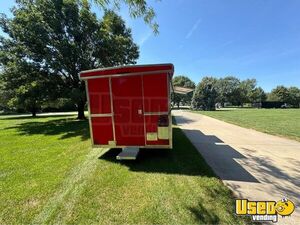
x: 128, y: 153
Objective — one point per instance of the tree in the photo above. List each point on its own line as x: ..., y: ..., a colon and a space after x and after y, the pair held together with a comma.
x: 229, y: 90
x: 63, y: 38
x: 247, y: 89
x: 294, y: 97
x: 24, y: 87
x: 280, y: 94
x: 3, y: 95
x: 137, y: 8
x: 182, y: 81
x: 205, y: 94
x: 257, y: 95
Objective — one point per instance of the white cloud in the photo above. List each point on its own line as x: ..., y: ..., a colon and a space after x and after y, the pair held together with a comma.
x: 144, y: 38
x: 192, y: 30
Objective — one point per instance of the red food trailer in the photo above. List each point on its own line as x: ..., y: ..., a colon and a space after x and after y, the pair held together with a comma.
x: 130, y: 107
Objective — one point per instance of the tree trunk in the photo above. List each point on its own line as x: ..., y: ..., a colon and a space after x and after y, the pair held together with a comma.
x: 80, y: 111
x: 33, y: 112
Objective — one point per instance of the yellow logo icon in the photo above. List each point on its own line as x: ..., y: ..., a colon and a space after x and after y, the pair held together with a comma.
x: 264, y: 210
x: 285, y: 207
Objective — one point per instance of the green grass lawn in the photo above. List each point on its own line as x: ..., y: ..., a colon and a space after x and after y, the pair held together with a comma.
x: 50, y: 174
x: 281, y: 122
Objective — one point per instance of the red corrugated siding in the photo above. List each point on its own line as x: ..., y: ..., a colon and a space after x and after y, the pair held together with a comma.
x: 102, y: 130
x: 127, y: 100
x: 151, y: 123
x: 155, y: 93
x: 99, y: 95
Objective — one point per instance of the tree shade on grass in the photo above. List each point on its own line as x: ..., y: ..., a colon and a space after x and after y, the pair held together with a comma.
x: 50, y: 174
x: 281, y: 122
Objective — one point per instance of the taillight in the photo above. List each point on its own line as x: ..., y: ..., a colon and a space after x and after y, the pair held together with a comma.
x: 163, y: 121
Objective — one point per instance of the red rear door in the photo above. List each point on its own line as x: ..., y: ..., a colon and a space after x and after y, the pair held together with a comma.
x: 99, y: 100
x: 128, y: 110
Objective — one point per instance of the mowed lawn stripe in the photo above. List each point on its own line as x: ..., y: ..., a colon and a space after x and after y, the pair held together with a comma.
x: 70, y: 189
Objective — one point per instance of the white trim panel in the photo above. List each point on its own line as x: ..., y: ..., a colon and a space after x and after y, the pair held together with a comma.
x: 126, y: 74
x: 155, y: 113
x: 102, y: 115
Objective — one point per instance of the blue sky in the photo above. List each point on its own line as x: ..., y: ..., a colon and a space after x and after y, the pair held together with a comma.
x: 248, y: 39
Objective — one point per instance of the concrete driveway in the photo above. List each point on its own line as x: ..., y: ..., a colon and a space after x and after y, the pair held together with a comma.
x: 255, y: 165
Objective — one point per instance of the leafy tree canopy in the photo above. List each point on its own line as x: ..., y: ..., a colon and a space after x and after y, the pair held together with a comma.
x: 228, y: 89
x: 24, y: 87
x: 257, y: 95
x: 294, y: 96
x: 137, y: 8
x: 283, y: 94
x: 62, y: 38
x: 205, y: 94
x: 280, y: 94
